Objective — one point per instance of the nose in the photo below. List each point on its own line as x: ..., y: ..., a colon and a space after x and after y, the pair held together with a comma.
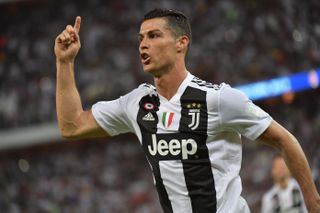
x: 143, y: 44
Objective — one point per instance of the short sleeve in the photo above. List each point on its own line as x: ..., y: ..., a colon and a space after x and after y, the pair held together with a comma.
x: 111, y: 116
x: 238, y: 113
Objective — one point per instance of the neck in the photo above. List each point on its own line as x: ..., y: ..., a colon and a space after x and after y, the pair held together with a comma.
x: 283, y: 183
x: 168, y: 82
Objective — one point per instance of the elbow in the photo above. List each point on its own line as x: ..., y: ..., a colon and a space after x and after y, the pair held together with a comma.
x: 68, y: 128
x: 67, y: 136
x: 67, y: 133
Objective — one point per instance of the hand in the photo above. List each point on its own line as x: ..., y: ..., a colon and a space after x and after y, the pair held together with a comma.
x: 67, y: 43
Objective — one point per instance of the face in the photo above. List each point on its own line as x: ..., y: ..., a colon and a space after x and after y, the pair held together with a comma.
x: 158, y: 51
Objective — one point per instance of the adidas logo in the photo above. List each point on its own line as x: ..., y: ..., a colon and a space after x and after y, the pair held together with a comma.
x: 148, y: 117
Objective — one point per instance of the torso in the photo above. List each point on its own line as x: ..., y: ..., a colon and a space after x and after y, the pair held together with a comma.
x: 194, y: 156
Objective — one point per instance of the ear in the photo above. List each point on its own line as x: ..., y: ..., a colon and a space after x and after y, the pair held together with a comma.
x: 182, y: 43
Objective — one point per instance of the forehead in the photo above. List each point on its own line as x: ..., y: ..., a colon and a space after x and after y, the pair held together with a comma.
x: 153, y: 24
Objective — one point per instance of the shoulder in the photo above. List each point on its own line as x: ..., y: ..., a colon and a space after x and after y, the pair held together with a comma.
x: 142, y: 90
x: 204, y: 85
x: 224, y: 90
x: 146, y: 88
x: 218, y: 95
x: 238, y: 100
x: 228, y: 92
x: 222, y: 93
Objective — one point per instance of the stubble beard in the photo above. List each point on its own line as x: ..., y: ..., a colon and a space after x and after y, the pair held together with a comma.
x: 157, y: 72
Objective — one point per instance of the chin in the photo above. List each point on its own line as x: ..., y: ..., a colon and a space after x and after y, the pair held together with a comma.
x: 155, y: 71
x: 148, y: 69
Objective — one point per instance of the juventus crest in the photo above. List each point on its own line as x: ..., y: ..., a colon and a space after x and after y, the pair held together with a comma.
x: 194, y: 112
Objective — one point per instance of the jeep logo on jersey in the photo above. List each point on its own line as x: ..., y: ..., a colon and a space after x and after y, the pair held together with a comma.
x: 174, y: 147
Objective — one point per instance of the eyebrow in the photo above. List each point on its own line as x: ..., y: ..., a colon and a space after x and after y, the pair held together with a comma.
x: 148, y: 32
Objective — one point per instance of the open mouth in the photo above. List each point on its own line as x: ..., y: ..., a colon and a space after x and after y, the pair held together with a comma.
x: 145, y: 58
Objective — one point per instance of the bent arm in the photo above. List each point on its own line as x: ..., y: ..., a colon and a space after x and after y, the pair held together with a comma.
x: 279, y: 138
x: 73, y: 121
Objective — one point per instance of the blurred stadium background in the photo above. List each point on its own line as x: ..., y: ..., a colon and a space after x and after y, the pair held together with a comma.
x: 238, y: 42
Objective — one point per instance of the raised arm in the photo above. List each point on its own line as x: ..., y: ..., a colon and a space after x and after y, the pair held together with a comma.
x: 278, y: 137
x: 73, y: 121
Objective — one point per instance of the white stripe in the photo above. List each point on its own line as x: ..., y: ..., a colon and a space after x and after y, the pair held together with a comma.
x: 198, y: 121
x: 175, y: 186
x: 192, y: 119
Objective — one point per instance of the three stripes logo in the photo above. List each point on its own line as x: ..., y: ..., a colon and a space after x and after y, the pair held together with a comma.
x: 167, y: 118
x: 148, y: 117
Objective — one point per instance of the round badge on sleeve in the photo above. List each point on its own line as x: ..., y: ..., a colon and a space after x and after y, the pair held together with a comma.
x: 148, y: 106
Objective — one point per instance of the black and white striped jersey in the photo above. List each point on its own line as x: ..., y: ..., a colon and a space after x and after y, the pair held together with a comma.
x: 288, y: 200
x: 192, y: 141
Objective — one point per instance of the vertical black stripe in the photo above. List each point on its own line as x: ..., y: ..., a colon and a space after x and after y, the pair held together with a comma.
x: 150, y: 104
x: 198, y: 173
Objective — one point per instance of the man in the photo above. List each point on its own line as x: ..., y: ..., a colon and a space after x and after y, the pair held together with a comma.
x: 189, y: 129
x: 285, y: 195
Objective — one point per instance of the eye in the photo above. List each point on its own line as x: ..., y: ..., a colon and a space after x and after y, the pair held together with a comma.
x: 153, y: 35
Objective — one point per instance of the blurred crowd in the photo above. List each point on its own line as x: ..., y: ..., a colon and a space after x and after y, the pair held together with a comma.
x: 84, y: 177
x: 233, y: 41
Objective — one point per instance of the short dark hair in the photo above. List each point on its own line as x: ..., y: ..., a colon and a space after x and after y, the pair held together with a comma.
x: 176, y: 20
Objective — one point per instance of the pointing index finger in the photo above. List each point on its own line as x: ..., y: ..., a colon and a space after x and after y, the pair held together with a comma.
x: 77, y: 24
